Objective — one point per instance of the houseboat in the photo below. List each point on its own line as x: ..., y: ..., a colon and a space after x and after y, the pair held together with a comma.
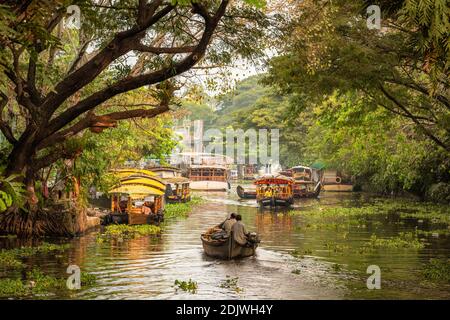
x: 208, y: 177
x: 332, y: 180
x: 177, y: 187
x: 307, y: 182
x: 275, y: 190
x: 137, y: 199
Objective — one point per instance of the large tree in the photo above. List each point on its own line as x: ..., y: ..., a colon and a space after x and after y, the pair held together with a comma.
x: 55, y: 82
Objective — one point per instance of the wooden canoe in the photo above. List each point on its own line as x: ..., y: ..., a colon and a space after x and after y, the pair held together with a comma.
x: 226, y: 249
x: 243, y: 194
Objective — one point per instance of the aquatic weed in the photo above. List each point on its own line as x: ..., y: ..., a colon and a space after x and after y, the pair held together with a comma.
x: 437, y: 270
x: 182, y: 209
x: 188, y: 286
x: 231, y: 283
x: 124, y: 231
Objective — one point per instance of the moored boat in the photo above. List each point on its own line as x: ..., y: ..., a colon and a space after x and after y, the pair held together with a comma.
x: 137, y: 199
x: 307, y: 182
x: 209, y: 178
x: 245, y: 194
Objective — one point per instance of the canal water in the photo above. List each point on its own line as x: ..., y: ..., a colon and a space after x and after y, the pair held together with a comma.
x: 326, y: 263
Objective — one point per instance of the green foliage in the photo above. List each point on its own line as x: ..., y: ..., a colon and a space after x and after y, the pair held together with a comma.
x: 38, y: 283
x: 405, y: 240
x: 12, y: 258
x: 124, y: 231
x: 373, y: 104
x: 231, y: 283
x: 437, y: 270
x: 188, y: 286
x: 11, y: 192
x: 175, y: 210
x: 12, y: 287
x: 8, y: 259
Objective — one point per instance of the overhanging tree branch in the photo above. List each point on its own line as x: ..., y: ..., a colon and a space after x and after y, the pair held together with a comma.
x: 414, y: 119
x: 132, y: 83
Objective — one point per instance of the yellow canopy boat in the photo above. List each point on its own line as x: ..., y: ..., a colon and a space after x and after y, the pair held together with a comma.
x: 139, y: 197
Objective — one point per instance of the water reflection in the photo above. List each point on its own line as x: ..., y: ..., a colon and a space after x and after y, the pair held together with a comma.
x: 146, y: 268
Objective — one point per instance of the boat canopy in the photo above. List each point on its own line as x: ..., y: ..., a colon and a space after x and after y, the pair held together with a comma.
x: 122, y: 173
x: 137, y: 191
x: 146, y: 181
x: 274, y: 179
x: 138, y: 183
x: 164, y: 168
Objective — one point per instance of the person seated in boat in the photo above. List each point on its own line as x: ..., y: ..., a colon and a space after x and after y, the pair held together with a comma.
x: 228, y: 224
x: 146, y: 208
x: 239, y: 231
x: 231, y: 216
x: 269, y: 192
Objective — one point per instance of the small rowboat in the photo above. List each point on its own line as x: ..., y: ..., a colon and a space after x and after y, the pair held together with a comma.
x: 245, y: 194
x: 227, y: 248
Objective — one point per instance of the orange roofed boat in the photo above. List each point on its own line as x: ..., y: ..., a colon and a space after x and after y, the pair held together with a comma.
x: 274, y: 190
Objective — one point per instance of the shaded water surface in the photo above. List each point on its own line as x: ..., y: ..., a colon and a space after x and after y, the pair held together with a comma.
x: 146, y: 267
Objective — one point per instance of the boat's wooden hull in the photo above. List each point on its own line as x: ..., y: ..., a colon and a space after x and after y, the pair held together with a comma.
x: 275, y: 202
x: 228, y: 249
x: 209, y: 185
x: 301, y: 191
x: 245, y: 194
x: 132, y: 218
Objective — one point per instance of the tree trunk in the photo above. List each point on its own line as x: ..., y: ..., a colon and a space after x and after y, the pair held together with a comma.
x: 62, y: 219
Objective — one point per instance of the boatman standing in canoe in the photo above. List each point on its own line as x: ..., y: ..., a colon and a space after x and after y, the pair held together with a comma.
x: 239, y: 231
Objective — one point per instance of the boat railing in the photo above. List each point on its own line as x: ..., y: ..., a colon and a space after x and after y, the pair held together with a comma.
x: 207, y: 178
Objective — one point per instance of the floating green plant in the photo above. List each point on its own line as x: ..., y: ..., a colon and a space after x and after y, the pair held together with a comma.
x: 124, y: 231
x: 336, y: 267
x: 188, y: 286
x: 296, y: 271
x: 38, y: 283
x: 231, y: 283
x: 437, y: 270
x: 8, y: 259
x: 182, y: 209
x: 405, y: 240
x: 11, y: 258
